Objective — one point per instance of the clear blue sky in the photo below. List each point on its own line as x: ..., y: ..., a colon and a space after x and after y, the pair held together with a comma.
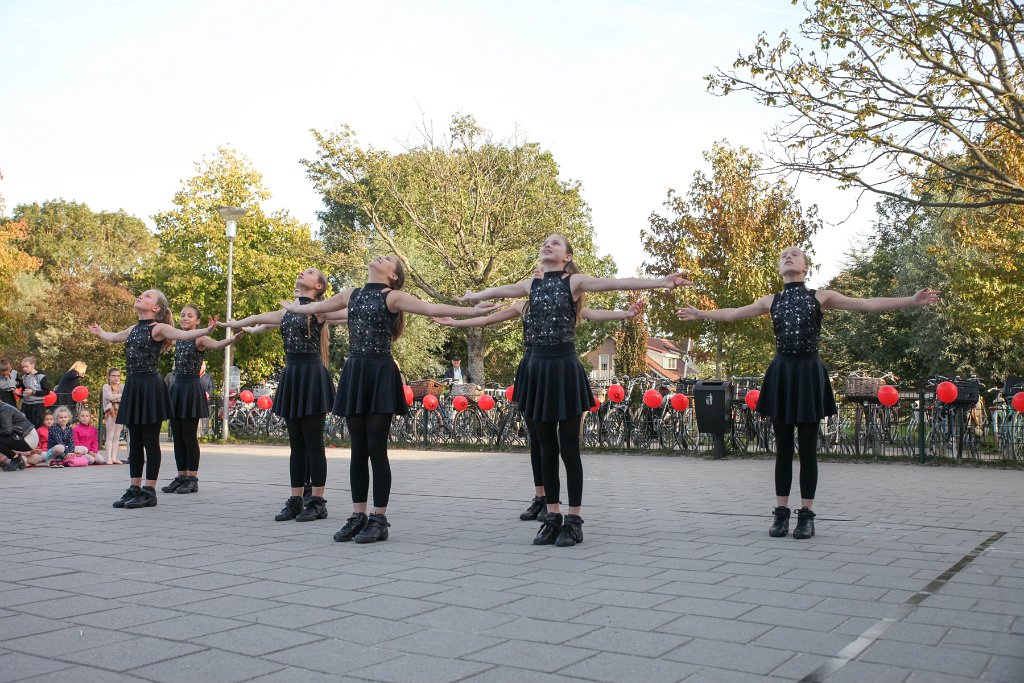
x: 112, y: 102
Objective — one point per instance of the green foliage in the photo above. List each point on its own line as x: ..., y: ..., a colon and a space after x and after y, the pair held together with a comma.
x: 726, y: 235
x: 631, y: 345
x: 466, y: 212
x: 269, y: 252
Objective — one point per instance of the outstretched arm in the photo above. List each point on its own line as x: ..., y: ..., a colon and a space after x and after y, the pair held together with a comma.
x: 512, y: 291
x: 830, y: 299
x: 164, y: 331
x: 588, y: 283
x: 334, y: 303
x: 403, y: 301
x: 259, y: 329
x: 600, y: 315
x: 112, y: 337
x: 335, y: 317
x: 269, y: 318
x: 205, y: 343
x: 508, y: 313
x: 728, y: 315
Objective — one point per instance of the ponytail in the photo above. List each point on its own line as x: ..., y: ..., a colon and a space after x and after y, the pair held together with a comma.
x: 572, y: 269
x: 164, y: 315
x: 398, y: 327
x: 325, y: 331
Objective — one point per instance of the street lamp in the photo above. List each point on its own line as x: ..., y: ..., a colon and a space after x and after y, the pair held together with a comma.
x: 230, y: 214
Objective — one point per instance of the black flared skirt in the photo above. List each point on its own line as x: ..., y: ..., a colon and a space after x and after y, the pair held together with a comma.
x: 796, y: 390
x: 520, y: 374
x: 305, y: 388
x: 144, y: 400
x: 553, y: 385
x: 370, y: 385
x: 188, y: 400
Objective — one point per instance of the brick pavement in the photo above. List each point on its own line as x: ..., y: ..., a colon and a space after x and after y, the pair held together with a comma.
x: 677, y: 579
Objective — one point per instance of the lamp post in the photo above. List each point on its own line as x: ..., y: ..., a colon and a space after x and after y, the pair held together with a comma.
x: 230, y: 214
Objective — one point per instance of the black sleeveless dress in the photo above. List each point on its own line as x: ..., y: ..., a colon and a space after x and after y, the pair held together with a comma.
x: 523, y: 364
x: 796, y: 386
x: 370, y: 382
x: 188, y: 400
x: 554, y: 385
x: 144, y: 399
x: 305, y: 388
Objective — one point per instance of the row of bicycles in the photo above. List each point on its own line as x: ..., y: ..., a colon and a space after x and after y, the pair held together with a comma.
x: 916, y: 423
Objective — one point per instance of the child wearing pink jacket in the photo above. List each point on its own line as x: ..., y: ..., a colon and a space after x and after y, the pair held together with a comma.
x: 86, y: 437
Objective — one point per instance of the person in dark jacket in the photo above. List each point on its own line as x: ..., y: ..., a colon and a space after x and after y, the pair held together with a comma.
x: 17, y: 436
x: 71, y: 380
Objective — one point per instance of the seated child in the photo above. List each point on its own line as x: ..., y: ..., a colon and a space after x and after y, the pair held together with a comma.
x: 87, y: 439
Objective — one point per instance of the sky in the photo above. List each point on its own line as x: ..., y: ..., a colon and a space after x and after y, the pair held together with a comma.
x: 112, y: 103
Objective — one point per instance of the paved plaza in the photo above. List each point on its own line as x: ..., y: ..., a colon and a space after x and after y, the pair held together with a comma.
x: 916, y: 574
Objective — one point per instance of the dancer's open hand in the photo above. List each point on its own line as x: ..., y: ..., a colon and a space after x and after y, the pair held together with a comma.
x: 467, y: 298
x: 634, y: 310
x: 688, y: 313
x: 485, y: 306
x: 926, y: 296
x: 95, y: 329
x: 212, y: 323
x: 447, y: 322
x: 675, y: 280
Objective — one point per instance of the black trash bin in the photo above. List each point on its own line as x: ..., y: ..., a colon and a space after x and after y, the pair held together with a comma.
x: 713, y: 403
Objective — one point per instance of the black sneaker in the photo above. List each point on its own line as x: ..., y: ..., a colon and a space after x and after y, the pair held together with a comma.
x: 571, y: 533
x: 376, y: 529
x: 804, y: 524
x: 549, y: 529
x: 129, y: 493
x: 316, y: 508
x: 190, y: 485
x: 535, y: 509
x: 307, y: 494
x: 175, y: 484
x: 291, y: 509
x: 16, y: 463
x: 780, y: 527
x: 353, y: 526
x: 145, y: 497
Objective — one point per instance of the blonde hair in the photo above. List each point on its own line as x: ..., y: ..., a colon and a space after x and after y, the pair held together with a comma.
x: 79, y: 367
x: 325, y: 331
x: 62, y: 410
x: 164, y: 315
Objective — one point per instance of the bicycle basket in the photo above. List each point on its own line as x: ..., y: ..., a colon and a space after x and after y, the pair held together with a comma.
x: 422, y: 387
x: 967, y: 392
x: 863, y: 388
x: 1012, y: 387
x: 467, y: 390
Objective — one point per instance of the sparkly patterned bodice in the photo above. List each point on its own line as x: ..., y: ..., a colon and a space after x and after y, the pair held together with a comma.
x: 370, y: 323
x: 796, y: 317
x: 187, y: 357
x: 526, y: 335
x: 300, y: 332
x: 141, y: 351
x: 551, y: 318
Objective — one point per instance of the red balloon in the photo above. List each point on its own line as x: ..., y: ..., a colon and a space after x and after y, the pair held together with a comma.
x: 430, y: 402
x: 49, y: 399
x: 246, y: 396
x: 79, y: 394
x: 409, y: 396
x: 680, y: 402
x: 652, y: 399
x: 1018, y: 402
x: 751, y: 398
x: 486, y: 402
x: 888, y: 395
x: 511, y: 390
x: 946, y: 392
x: 460, y: 403
x: 595, y: 407
x: 17, y: 392
x: 616, y: 394
x: 265, y: 403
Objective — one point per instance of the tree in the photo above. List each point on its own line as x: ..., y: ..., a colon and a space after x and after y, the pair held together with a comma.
x: 13, y: 264
x: 466, y: 212
x: 631, y: 344
x: 896, y: 93
x: 726, y: 235
x: 269, y: 251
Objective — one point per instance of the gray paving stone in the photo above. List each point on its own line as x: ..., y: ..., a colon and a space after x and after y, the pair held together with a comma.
x: 187, y: 626
x: 169, y: 597
x: 129, y: 654
x: 18, y: 666
x: 540, y: 630
x: 508, y: 674
x: 27, y: 624
x: 73, y: 639
x: 72, y: 605
x: 1004, y: 669
x: 440, y: 643
x: 333, y: 657
x: 83, y: 674
x: 924, y: 657
x: 421, y: 669
x: 532, y: 655
x: 749, y: 658
x: 615, y: 668
x: 628, y: 642
x: 954, y: 618
x: 862, y: 672
x: 706, y: 607
x: 210, y: 666
x: 461, y: 619
x: 256, y: 640
x: 23, y: 595
x: 547, y: 608
x: 626, y: 617
x: 779, y: 616
x: 728, y: 630
x: 124, y: 617
x: 360, y: 628
x: 228, y: 606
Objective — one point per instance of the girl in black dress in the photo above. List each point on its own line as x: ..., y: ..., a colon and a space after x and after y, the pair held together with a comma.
x: 537, y: 506
x: 304, y: 394
x: 796, y: 392
x: 554, y: 390
x: 189, y: 403
x: 144, y: 400
x: 370, y: 390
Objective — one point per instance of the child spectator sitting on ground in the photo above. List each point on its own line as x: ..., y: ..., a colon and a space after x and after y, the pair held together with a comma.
x: 62, y: 439
x: 87, y: 438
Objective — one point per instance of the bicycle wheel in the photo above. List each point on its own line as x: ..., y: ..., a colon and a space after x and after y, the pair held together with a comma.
x: 468, y: 427
x: 614, y: 428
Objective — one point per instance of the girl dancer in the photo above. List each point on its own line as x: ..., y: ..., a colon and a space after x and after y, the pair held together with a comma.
x: 304, y: 394
x: 188, y: 400
x: 796, y: 392
x: 536, y: 507
x: 553, y: 390
x: 144, y: 400
x: 110, y: 397
x: 370, y: 390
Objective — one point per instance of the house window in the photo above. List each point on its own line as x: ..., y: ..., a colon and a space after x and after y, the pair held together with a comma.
x: 604, y: 363
x: 671, y: 362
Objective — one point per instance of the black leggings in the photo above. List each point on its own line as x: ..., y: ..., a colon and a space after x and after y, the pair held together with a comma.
x: 807, y: 433
x: 8, y: 445
x: 185, y: 433
x: 308, y: 460
x: 561, y: 437
x: 144, y: 438
x: 535, y: 458
x: 369, y: 434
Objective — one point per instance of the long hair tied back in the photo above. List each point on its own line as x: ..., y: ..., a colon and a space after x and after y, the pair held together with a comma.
x: 164, y: 315
x: 325, y: 331
x: 399, y: 325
